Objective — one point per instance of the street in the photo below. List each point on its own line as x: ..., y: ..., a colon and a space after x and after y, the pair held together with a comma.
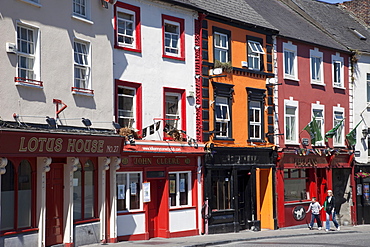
x: 321, y: 239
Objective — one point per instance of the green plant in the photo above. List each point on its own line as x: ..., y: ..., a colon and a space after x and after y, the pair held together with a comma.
x: 225, y: 66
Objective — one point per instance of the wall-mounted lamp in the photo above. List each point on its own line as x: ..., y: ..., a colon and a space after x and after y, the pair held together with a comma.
x: 51, y: 122
x: 365, y: 132
x: 86, y: 122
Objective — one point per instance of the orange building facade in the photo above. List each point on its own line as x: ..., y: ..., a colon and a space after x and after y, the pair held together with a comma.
x: 237, y: 126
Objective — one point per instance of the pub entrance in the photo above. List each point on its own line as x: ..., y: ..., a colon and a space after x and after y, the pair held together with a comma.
x: 54, y: 205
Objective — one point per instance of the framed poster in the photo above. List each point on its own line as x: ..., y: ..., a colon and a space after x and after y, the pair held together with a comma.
x: 172, y: 186
x: 133, y: 188
x: 146, y: 191
x: 121, y: 191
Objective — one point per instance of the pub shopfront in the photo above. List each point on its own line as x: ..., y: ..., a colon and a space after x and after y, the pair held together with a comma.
x: 239, y: 186
x: 53, y: 186
x: 158, y: 190
x: 301, y: 176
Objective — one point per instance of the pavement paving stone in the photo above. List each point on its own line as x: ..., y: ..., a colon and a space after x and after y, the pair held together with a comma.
x: 225, y: 238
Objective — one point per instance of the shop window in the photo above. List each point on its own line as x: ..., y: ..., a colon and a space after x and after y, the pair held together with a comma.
x: 16, y: 201
x: 221, y: 190
x: 84, y: 192
x: 295, y: 185
x: 127, y: 27
x: 180, y: 189
x: 129, y: 191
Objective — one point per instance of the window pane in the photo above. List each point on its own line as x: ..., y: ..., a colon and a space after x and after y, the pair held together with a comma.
x: 7, y: 198
x: 89, y: 190
x: 221, y: 190
x: 295, y: 189
x: 183, y: 188
x: 77, y: 193
x: 24, y: 194
x: 135, y: 187
x: 173, y: 189
x: 121, y: 191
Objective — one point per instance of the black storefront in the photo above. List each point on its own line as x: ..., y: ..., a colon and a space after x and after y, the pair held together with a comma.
x: 239, y: 186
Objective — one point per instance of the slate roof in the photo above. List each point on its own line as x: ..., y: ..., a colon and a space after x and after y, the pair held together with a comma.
x: 237, y: 10
x: 338, y: 22
x: 291, y: 23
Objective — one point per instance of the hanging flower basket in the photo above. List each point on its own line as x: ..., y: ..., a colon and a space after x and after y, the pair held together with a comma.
x: 362, y: 174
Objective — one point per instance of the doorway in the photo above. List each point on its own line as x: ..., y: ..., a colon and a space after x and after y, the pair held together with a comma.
x: 244, y: 198
x: 54, y: 205
x: 157, y: 209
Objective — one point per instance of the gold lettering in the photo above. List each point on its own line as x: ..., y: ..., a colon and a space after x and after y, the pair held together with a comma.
x: 94, y: 146
x: 100, y: 146
x: 32, y: 144
x: 22, y: 148
x: 58, y: 144
x: 50, y: 144
x: 79, y: 145
x: 87, y: 146
x: 71, y: 145
x: 42, y: 140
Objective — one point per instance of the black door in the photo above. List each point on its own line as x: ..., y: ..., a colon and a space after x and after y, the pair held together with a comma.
x: 244, y: 198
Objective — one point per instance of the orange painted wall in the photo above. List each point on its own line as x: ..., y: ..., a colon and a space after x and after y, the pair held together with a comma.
x: 240, y: 81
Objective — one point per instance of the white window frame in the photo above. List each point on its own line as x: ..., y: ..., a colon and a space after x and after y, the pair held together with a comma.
x: 337, y: 60
x: 172, y: 35
x: 291, y: 104
x: 84, y: 4
x: 219, y: 48
x: 127, y: 191
x: 133, y: 122
x: 255, y: 123
x: 222, y: 121
x: 84, y: 65
x: 340, y: 143
x: 318, y: 107
x: 189, y: 190
x: 293, y: 70
x: 125, y: 21
x: 316, y: 54
x: 177, y: 116
x: 255, y: 50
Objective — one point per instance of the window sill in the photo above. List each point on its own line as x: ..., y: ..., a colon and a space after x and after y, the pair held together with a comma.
x: 32, y: 3
x: 291, y: 78
x: 127, y: 48
x: 256, y: 140
x: 318, y: 83
x: 296, y: 202
x: 339, y: 146
x: 139, y: 211
x: 173, y: 57
x: 338, y: 87
x: 11, y: 232
x: 174, y: 208
x: 82, y: 19
x: 28, y: 83
x: 79, y: 222
x: 219, y: 138
x: 82, y: 91
x: 292, y: 143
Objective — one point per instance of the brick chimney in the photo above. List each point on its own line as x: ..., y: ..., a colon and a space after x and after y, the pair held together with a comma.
x: 360, y: 9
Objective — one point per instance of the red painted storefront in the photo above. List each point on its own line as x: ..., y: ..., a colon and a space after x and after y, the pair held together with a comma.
x: 168, y: 178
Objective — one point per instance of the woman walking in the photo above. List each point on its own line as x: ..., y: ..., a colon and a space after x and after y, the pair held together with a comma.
x: 329, y: 205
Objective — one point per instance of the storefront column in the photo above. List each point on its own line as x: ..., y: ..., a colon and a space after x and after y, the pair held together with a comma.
x: 71, y: 167
x: 43, y: 166
x: 115, y: 165
x: 103, y: 167
x: 200, y: 195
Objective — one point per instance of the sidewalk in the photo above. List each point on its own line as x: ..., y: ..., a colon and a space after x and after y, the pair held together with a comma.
x: 214, y: 239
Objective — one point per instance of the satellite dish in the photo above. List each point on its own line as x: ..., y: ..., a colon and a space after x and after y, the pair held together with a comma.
x: 217, y: 71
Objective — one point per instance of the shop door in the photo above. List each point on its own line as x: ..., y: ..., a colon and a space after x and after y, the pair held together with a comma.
x: 156, y: 212
x: 54, y: 205
x: 244, y: 196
